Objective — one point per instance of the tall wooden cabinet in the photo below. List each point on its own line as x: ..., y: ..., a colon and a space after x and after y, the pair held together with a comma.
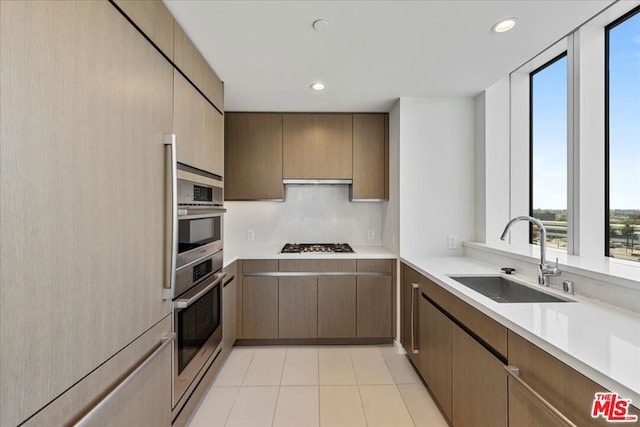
x: 82, y: 181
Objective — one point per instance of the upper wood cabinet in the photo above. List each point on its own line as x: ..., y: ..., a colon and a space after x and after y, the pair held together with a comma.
x: 370, y: 157
x: 84, y: 276
x: 189, y: 60
x: 199, y: 128
x: 154, y: 19
x: 253, y: 156
x: 317, y: 146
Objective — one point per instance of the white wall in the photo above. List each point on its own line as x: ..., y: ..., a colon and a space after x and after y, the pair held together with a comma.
x: 311, y: 213
x: 391, y: 210
x: 492, y: 162
x: 436, y: 174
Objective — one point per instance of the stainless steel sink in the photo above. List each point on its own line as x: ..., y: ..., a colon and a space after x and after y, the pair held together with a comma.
x: 503, y: 290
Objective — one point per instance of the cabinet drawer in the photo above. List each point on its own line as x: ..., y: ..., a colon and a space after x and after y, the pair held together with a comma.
x: 259, y: 265
x: 563, y: 387
x: 485, y: 328
x: 375, y: 265
x: 318, y: 265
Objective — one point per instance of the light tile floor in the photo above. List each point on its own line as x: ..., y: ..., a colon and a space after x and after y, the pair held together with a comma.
x: 304, y: 386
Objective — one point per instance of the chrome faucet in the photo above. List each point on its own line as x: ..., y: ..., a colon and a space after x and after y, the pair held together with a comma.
x: 544, y: 269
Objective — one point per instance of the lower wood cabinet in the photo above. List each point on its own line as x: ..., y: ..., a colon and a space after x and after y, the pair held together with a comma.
x: 259, y: 307
x: 229, y: 304
x: 336, y: 306
x: 478, y: 384
x: 570, y: 392
x: 298, y: 307
x: 434, y: 342
x: 144, y: 401
x: 373, y: 308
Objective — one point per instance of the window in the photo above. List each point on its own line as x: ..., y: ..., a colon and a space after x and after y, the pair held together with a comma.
x: 622, y: 186
x: 548, y: 151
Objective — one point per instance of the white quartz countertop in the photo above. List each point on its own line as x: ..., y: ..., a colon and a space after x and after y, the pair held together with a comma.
x: 273, y: 252
x: 601, y: 341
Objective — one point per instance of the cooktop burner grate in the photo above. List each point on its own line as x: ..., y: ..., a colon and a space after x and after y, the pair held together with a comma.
x: 294, y: 248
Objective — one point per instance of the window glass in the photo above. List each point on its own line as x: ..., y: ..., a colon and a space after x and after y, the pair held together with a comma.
x: 548, y: 121
x: 623, y: 139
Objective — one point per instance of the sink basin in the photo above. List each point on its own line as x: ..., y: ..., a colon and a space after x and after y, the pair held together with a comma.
x: 503, y: 290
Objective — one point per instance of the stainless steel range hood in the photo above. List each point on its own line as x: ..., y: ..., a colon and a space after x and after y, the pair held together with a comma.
x: 322, y: 181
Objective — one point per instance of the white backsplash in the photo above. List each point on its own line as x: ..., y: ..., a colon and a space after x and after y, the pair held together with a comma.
x: 310, y: 213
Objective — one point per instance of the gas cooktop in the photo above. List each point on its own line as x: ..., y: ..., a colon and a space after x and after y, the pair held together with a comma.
x: 295, y: 248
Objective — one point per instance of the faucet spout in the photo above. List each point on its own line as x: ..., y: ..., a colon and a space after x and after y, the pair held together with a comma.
x: 544, y: 270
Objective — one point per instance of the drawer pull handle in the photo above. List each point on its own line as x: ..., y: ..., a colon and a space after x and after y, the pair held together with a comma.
x: 514, y: 373
x: 87, y: 418
x: 414, y: 302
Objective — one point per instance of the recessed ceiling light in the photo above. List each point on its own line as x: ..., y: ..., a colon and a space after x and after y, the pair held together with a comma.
x: 504, y: 25
x: 318, y: 86
x: 320, y: 25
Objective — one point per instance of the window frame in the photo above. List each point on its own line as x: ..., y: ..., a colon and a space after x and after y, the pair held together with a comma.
x: 564, y: 54
x: 607, y: 182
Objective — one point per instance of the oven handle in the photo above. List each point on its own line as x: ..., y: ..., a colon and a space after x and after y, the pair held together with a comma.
x: 186, y: 302
x: 169, y: 291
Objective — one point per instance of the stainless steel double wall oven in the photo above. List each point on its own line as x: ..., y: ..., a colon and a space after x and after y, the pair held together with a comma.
x: 195, y: 279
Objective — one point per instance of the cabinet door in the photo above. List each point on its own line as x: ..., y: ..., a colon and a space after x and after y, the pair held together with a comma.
x: 144, y: 401
x: 564, y: 388
x: 373, y: 306
x: 83, y: 198
x: 188, y: 122
x: 253, y: 156
x: 298, y: 307
x: 229, y: 304
x: 336, y: 307
x: 154, y: 19
x: 370, y: 147
x: 409, y: 313
x: 479, y: 384
x: 317, y: 146
x: 259, y: 307
x: 435, y: 352
x: 213, y: 150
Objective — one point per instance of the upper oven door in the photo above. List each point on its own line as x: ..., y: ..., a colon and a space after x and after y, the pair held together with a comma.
x: 199, y: 233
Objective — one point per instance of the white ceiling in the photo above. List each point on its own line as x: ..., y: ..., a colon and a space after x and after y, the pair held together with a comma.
x: 374, y: 52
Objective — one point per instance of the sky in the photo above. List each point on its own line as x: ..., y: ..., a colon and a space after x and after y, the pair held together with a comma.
x: 550, y: 124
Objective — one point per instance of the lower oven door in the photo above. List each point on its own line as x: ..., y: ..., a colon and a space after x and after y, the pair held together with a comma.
x: 197, y: 318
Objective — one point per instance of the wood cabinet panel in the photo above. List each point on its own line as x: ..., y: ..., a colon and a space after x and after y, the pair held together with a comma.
x: 408, y: 301
x: 188, y: 122
x: 479, y: 384
x: 317, y: 146
x: 370, y: 155
x: 213, y: 150
x: 318, y: 265
x: 336, y: 306
x: 487, y: 329
x: 373, y: 307
x: 145, y: 401
x: 565, y: 388
x: 229, y: 305
x: 79, y: 142
x: 253, y: 156
x: 259, y: 265
x: 298, y: 307
x: 434, y: 343
x: 375, y: 265
x: 154, y: 19
x: 259, y: 307
x: 189, y: 60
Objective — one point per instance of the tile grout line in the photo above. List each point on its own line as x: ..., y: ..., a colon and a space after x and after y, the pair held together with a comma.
x: 358, y: 388
x: 275, y: 408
